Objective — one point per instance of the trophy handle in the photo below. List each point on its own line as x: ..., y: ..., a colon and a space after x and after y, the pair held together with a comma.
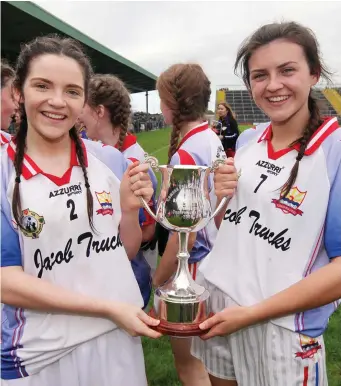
x: 220, y: 207
x: 215, y: 166
x: 152, y: 161
x: 154, y: 164
x: 147, y: 208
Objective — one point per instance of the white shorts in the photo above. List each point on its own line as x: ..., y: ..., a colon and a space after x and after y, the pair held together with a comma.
x: 261, y: 355
x: 112, y: 359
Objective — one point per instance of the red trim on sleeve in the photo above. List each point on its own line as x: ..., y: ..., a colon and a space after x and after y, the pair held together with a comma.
x: 4, y: 140
x: 185, y: 158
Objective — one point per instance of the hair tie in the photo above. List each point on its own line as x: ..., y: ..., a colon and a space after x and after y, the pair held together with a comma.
x: 299, y: 157
x: 17, y: 179
x: 87, y: 185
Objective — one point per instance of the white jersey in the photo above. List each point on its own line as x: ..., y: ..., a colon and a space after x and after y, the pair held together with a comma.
x: 59, y: 246
x: 201, y: 146
x: 267, y: 243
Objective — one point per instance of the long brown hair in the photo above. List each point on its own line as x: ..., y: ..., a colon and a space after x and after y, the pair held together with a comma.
x: 228, y: 108
x: 41, y: 46
x: 186, y: 91
x: 109, y: 91
x: 304, y: 37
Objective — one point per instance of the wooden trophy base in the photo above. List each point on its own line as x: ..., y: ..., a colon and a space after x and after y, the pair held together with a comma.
x: 179, y: 330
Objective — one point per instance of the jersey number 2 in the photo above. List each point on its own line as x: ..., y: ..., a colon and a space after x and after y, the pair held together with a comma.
x: 263, y: 178
x: 71, y: 203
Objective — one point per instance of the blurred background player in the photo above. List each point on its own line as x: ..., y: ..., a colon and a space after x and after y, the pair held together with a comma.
x: 8, y: 104
x: 228, y: 129
x: 184, y: 91
x: 106, y: 119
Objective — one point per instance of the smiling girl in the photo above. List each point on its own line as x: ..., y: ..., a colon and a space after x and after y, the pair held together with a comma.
x: 274, y: 273
x: 68, y: 212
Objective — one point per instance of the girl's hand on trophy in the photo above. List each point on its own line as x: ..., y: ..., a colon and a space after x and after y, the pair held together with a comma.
x: 135, y: 183
x: 225, y: 179
x: 134, y: 320
x: 228, y: 321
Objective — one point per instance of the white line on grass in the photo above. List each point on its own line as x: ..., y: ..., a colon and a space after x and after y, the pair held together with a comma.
x: 158, y: 150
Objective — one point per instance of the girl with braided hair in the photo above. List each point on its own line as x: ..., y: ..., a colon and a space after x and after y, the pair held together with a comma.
x: 106, y: 118
x: 278, y: 282
x: 69, y: 207
x: 184, y: 91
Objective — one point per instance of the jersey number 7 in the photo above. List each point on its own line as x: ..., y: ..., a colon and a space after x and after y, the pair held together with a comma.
x: 263, y: 178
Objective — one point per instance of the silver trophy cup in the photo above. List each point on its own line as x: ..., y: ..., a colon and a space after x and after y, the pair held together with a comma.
x: 183, y: 206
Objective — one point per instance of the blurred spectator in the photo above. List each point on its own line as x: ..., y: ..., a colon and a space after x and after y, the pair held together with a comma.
x: 229, y: 132
x: 146, y: 122
x: 8, y: 104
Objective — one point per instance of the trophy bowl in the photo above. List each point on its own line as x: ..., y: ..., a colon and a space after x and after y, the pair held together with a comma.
x: 183, y: 206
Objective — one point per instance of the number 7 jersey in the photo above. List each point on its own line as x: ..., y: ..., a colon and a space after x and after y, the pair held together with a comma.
x: 268, y: 242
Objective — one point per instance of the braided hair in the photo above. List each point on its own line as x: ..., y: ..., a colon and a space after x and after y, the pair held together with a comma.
x: 185, y: 90
x: 109, y: 91
x: 304, y: 37
x: 52, y: 44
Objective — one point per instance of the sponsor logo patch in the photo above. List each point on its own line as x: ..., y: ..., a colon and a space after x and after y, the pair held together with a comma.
x: 291, y: 203
x: 104, y: 199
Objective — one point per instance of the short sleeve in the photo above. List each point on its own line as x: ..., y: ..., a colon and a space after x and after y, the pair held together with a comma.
x: 244, y: 138
x: 332, y: 235
x: 10, y: 247
x: 110, y: 156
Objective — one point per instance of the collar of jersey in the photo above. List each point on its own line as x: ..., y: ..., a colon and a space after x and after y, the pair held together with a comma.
x: 128, y: 141
x: 30, y: 168
x: 197, y: 129
x: 329, y: 125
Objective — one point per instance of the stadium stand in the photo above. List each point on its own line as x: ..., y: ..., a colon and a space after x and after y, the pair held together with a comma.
x: 247, y: 112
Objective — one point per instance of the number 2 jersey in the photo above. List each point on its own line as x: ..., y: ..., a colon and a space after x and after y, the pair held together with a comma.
x: 57, y: 244
x: 201, y: 146
x: 268, y: 242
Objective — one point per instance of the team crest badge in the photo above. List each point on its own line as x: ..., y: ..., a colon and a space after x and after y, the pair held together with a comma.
x: 291, y: 203
x: 309, y: 346
x: 32, y: 223
x: 105, y: 201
